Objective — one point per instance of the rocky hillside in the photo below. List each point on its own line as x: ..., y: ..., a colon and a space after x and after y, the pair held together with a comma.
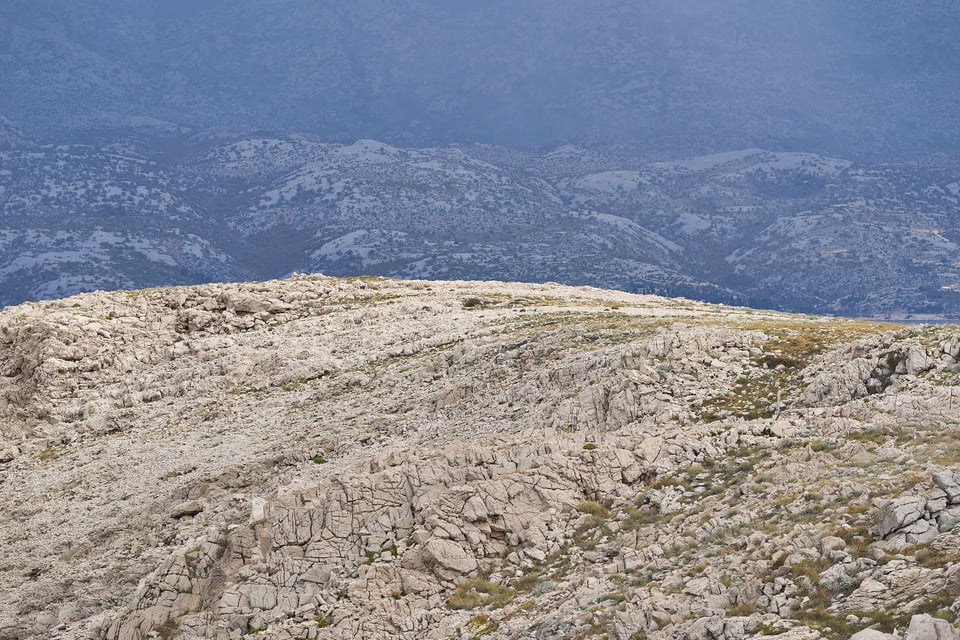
x: 367, y: 458
x: 795, y: 231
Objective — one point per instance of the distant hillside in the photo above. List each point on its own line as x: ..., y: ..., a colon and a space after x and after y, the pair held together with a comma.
x: 10, y: 135
x: 795, y: 231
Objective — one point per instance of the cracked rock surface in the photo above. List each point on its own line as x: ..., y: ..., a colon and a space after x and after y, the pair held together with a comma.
x: 367, y: 458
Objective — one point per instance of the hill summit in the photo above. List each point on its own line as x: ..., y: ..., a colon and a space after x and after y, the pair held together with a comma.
x: 368, y: 458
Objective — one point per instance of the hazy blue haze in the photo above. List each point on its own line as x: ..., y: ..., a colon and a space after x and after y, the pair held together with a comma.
x: 874, y: 77
x: 158, y: 142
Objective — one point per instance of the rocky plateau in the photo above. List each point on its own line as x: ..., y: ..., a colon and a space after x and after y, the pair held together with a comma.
x: 334, y: 458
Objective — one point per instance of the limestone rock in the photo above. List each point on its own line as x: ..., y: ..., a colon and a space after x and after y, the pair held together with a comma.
x: 949, y: 484
x: 926, y: 627
x: 831, y: 543
x: 448, y: 559
x: 838, y: 385
x: 872, y: 634
x: 326, y: 458
x: 899, y: 513
x: 188, y: 508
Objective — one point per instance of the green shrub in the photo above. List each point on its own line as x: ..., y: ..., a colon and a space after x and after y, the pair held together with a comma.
x: 819, y: 445
x: 480, y: 592
x: 766, y: 629
x: 593, y: 508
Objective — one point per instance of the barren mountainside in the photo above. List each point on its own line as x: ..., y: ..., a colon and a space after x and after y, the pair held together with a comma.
x: 367, y: 458
x: 787, y: 230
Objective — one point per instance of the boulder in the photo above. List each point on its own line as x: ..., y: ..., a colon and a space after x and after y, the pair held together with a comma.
x: 918, y: 361
x: 920, y: 532
x: 949, y: 484
x: 872, y: 634
x: 926, y: 627
x: 244, y: 303
x: 838, y: 385
x: 8, y: 454
x: 937, y: 501
x: 949, y: 518
x: 188, y: 508
x: 899, y: 513
x: 831, y: 543
x: 448, y: 559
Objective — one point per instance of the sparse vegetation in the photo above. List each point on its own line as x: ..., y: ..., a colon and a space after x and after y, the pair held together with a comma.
x: 481, y: 625
x: 594, y: 509
x: 168, y: 629
x: 600, y: 490
x: 768, y: 629
x: 773, y: 380
x: 477, y: 592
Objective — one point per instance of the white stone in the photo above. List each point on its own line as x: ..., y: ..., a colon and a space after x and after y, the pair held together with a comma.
x: 899, y: 513
x: 872, y: 634
x: 926, y: 627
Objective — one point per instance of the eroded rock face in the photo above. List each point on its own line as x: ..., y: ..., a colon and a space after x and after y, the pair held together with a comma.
x: 915, y: 519
x: 322, y: 458
x: 899, y: 514
x: 949, y: 484
x: 872, y: 634
x: 926, y: 627
x: 426, y: 525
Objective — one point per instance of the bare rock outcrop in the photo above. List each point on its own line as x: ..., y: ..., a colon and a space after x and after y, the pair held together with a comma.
x: 926, y: 627
x: 916, y: 519
x: 329, y: 458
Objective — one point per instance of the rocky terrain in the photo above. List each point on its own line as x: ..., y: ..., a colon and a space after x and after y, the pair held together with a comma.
x: 368, y: 458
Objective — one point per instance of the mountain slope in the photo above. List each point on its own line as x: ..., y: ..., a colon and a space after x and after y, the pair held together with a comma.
x: 78, y: 218
x: 10, y: 135
x: 326, y: 458
x: 796, y: 231
x: 679, y: 79
x: 789, y: 230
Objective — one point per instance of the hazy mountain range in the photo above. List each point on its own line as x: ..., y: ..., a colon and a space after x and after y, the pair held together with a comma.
x: 852, y: 77
x: 794, y: 155
x: 774, y: 229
